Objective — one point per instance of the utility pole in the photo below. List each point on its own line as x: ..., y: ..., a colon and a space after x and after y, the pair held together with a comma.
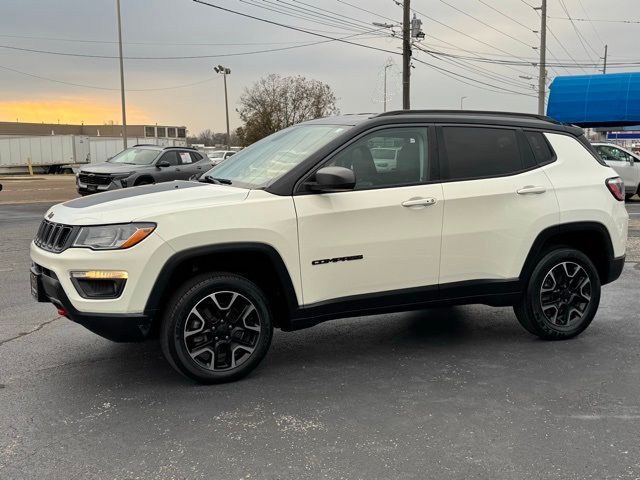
x: 462, y: 102
x: 542, y: 77
x: 225, y: 71
x: 604, y: 65
x: 406, y: 55
x: 388, y: 64
x: 124, y: 110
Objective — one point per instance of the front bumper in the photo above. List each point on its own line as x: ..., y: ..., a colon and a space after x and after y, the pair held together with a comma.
x: 125, y: 327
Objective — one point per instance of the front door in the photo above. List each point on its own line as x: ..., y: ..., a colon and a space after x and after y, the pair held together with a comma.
x: 384, y: 236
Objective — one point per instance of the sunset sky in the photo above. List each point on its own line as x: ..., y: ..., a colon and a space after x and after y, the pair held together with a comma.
x: 182, y: 28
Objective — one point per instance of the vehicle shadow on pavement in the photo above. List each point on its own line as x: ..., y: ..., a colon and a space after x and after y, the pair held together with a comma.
x: 346, y: 347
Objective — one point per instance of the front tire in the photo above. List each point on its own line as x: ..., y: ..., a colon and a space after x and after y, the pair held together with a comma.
x: 561, y: 297
x: 217, y: 328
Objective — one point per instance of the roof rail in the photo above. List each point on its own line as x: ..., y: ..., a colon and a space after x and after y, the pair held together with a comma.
x: 145, y: 145
x: 472, y: 112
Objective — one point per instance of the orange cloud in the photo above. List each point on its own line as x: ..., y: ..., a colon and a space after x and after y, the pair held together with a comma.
x: 73, y: 111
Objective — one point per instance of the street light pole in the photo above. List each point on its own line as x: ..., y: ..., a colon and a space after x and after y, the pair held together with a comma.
x: 385, y: 85
x: 225, y: 71
x: 461, y: 100
x: 124, y: 110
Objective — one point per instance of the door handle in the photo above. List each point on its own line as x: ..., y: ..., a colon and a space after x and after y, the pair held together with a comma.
x: 531, y: 189
x: 419, y: 202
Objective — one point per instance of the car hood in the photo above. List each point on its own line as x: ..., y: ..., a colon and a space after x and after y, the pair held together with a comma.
x: 111, y: 168
x: 143, y: 202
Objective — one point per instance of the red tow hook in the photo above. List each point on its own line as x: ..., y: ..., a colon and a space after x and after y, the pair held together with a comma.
x: 62, y: 312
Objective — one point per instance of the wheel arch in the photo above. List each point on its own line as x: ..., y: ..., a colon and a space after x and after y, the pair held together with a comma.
x: 591, y: 238
x: 143, y: 177
x: 258, y: 262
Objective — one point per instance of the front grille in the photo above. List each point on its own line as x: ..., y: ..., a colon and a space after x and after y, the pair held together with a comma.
x: 53, y: 237
x: 94, y: 178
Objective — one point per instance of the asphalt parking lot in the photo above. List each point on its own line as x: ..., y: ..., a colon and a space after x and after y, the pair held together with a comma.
x: 454, y: 393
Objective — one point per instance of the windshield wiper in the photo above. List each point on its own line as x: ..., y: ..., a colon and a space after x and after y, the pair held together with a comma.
x: 215, y: 181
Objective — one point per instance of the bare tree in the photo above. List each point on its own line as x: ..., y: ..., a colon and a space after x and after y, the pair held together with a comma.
x: 276, y: 102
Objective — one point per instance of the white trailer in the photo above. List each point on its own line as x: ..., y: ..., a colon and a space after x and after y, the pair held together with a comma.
x: 73, y: 151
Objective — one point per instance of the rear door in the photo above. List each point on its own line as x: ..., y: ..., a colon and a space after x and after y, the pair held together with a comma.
x: 383, y: 236
x: 496, y: 201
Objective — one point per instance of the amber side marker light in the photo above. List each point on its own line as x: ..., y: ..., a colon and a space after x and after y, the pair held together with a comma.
x: 139, y: 235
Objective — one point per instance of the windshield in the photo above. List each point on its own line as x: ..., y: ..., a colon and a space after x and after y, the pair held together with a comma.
x: 267, y: 160
x: 135, y: 156
x: 215, y: 154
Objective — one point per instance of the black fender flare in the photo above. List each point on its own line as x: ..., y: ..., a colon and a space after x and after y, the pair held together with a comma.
x: 177, y: 259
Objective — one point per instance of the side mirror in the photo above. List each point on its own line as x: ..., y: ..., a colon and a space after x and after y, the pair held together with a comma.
x: 333, y: 179
x: 630, y: 160
x: 163, y: 164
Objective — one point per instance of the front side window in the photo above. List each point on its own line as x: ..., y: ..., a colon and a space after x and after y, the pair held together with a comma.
x: 171, y: 157
x: 135, y: 156
x: 386, y: 158
x: 476, y: 152
x: 262, y: 163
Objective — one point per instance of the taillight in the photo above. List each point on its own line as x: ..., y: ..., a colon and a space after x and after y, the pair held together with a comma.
x: 616, y: 187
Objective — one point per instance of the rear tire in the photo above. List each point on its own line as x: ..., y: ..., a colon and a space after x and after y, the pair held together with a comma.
x: 561, y: 297
x: 216, y: 328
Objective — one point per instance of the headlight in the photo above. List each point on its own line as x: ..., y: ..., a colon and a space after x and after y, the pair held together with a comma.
x: 112, y: 237
x: 118, y: 176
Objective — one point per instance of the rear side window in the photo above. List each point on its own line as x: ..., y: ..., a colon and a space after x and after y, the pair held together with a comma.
x: 476, y: 152
x: 541, y: 150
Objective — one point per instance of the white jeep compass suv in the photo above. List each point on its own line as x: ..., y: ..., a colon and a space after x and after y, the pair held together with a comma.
x: 302, y: 227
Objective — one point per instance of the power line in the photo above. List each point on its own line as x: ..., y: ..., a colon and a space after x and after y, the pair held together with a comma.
x: 290, y: 27
x: 485, y: 72
x: 190, y: 57
x: 466, y: 34
x: 590, y: 22
x: 154, y: 44
x: 596, y: 20
x: 329, y: 12
x: 507, y: 16
x: 457, y: 76
x: 368, y: 11
x: 486, y: 24
x: 96, y: 87
x: 583, y: 41
x: 316, y: 19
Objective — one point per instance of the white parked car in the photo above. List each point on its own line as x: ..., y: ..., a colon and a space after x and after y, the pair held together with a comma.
x: 220, y: 156
x: 623, y: 161
x: 301, y: 227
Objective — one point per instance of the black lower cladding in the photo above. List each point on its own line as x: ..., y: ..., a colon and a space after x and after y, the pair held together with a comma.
x: 615, y: 270
x: 126, y: 327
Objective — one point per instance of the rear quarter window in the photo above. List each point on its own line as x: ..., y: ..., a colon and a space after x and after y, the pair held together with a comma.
x: 541, y: 149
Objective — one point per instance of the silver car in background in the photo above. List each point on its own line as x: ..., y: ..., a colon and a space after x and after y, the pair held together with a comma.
x: 624, y: 162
